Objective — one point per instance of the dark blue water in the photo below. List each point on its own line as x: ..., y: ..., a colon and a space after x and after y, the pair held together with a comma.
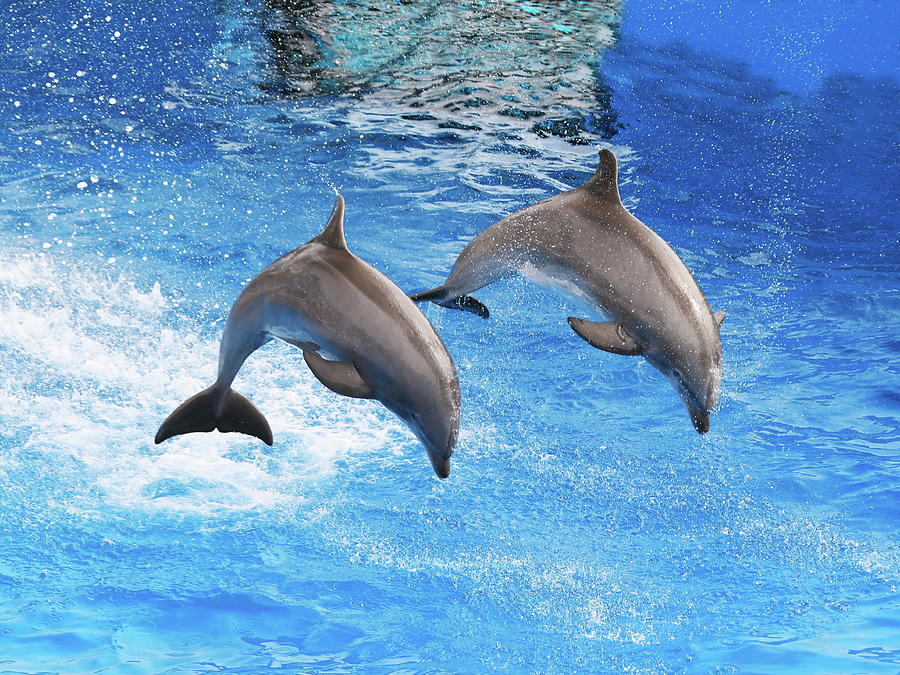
x: 153, y: 159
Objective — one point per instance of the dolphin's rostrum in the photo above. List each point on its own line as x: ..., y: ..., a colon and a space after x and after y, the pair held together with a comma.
x: 586, y: 243
x: 360, y: 334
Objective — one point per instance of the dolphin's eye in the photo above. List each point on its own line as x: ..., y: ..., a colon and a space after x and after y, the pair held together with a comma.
x: 676, y: 373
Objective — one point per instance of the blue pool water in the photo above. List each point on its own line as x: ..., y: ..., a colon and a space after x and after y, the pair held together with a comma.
x: 155, y: 158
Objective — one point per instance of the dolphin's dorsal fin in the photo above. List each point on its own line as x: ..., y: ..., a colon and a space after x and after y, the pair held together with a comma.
x: 604, y: 184
x: 333, y: 234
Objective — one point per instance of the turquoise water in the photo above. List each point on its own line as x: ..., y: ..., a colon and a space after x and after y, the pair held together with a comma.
x: 585, y: 527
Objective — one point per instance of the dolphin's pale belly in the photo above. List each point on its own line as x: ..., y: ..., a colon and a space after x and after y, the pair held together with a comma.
x: 560, y: 280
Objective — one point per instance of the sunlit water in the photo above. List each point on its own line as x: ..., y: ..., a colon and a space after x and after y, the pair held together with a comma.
x: 153, y: 160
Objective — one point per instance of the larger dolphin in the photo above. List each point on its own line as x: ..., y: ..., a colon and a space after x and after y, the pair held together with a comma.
x: 586, y: 243
x: 360, y: 335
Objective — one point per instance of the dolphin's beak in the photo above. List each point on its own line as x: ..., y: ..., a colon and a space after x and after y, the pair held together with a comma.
x: 440, y: 463
x: 698, y: 412
x: 700, y: 420
x: 439, y: 453
x: 438, y: 440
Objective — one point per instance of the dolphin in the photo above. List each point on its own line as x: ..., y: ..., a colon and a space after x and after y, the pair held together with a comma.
x: 361, y: 336
x: 585, y: 243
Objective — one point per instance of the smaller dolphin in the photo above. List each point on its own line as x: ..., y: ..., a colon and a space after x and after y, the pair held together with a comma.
x: 585, y: 243
x: 360, y: 334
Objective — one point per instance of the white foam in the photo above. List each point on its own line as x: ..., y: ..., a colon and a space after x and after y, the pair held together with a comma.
x: 94, y: 363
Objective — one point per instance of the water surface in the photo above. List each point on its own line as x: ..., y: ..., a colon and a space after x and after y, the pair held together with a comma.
x: 152, y: 160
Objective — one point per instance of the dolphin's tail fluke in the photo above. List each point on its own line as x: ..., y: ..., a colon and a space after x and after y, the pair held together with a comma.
x: 198, y: 413
x: 441, y: 296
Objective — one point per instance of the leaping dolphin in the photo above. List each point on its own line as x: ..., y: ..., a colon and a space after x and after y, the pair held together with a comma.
x: 586, y: 243
x: 360, y: 334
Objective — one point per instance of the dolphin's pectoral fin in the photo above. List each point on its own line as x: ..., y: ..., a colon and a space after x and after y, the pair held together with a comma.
x: 606, y: 335
x: 720, y: 318
x: 341, y: 377
x: 466, y: 303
